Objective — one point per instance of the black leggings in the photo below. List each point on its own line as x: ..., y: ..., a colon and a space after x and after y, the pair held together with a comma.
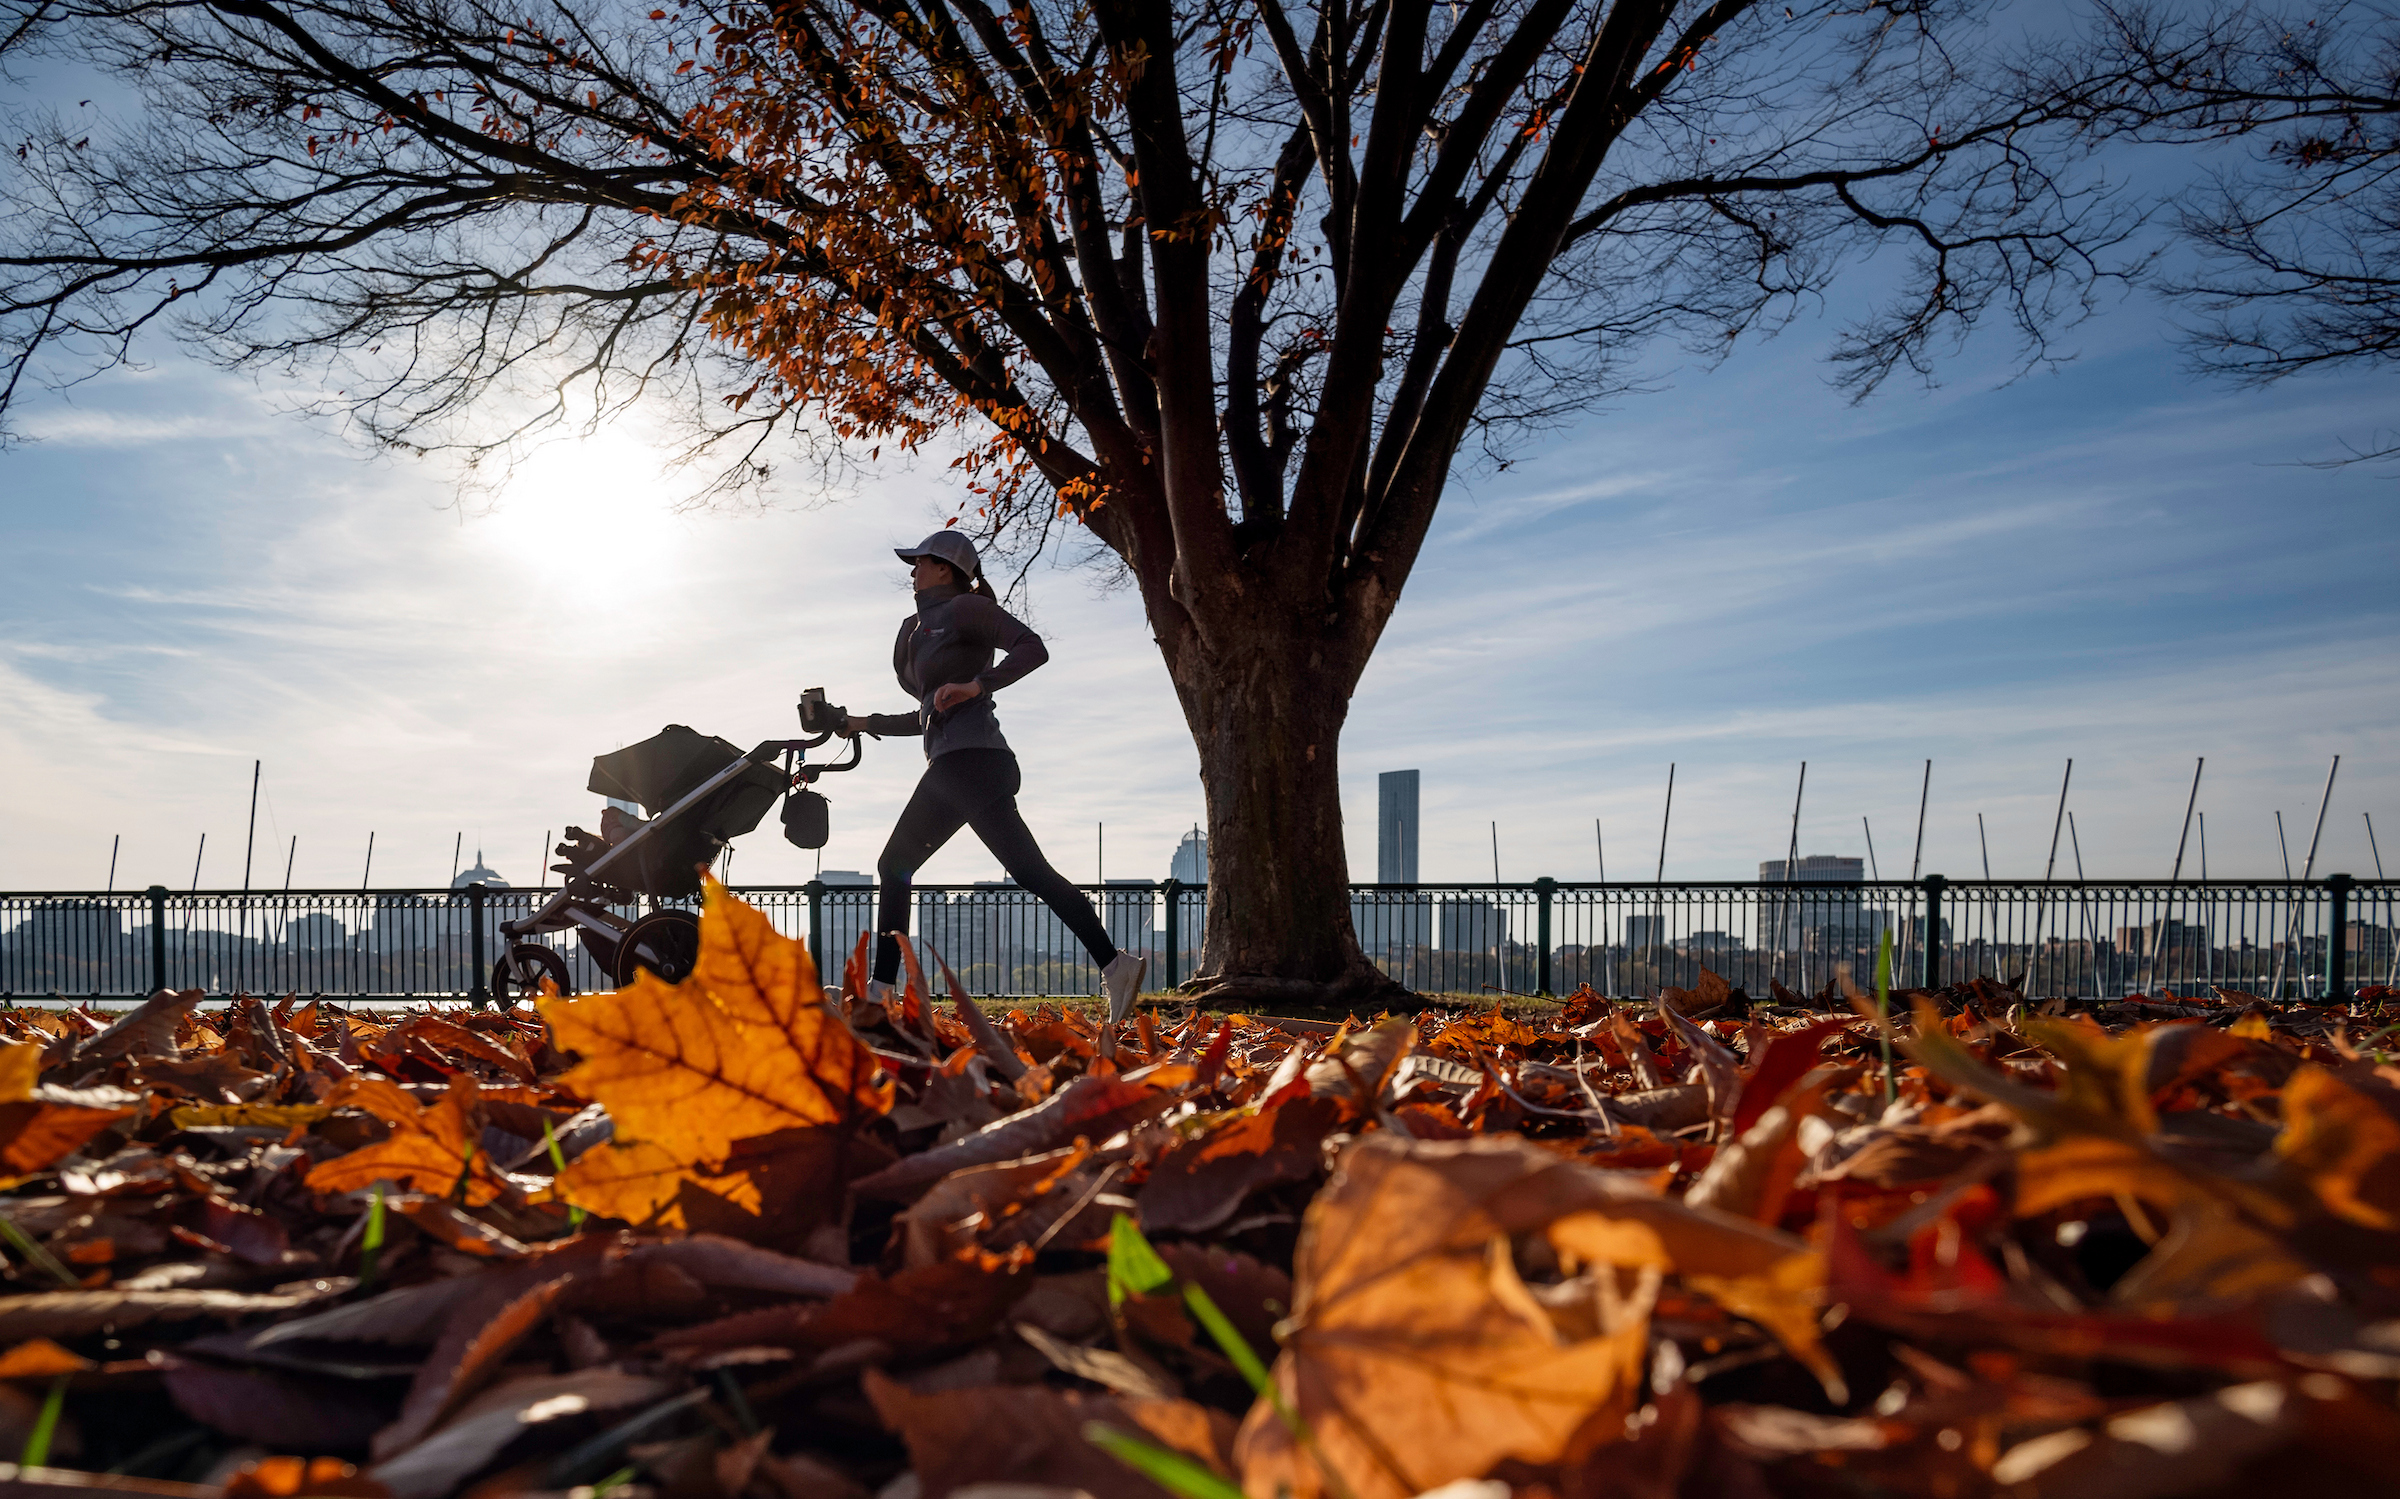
x: 974, y: 788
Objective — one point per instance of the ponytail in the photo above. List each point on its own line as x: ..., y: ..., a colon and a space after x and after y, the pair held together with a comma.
x: 979, y: 584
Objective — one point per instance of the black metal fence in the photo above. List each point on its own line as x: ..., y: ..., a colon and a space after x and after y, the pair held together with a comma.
x: 2291, y: 938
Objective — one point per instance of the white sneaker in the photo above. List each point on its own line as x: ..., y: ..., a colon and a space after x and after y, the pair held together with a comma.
x: 881, y: 993
x: 1122, y: 978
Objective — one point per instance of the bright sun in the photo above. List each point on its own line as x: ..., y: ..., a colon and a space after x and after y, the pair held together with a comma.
x: 593, y: 512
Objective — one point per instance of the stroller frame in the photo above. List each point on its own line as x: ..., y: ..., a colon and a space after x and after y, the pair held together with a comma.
x: 665, y: 939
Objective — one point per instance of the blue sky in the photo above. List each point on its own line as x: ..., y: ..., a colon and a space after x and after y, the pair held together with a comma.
x: 2113, y: 562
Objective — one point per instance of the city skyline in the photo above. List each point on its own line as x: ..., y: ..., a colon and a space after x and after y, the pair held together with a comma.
x: 1397, y: 801
x: 203, y: 581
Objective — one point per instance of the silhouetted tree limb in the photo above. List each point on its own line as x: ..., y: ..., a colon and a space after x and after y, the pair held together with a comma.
x: 1226, y: 282
x: 2299, y: 240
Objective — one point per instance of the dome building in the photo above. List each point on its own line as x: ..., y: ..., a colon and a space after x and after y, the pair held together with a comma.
x: 479, y: 874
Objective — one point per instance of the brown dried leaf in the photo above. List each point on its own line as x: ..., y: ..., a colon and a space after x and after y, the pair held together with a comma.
x: 1028, y: 1434
x: 1204, y: 1178
x: 275, y: 1410
x: 1416, y: 1351
x: 68, y: 1314
x: 500, y: 1416
x: 473, y: 1347
x: 1092, y: 1108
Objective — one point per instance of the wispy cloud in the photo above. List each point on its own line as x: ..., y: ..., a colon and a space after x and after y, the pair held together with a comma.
x: 82, y: 427
x: 1734, y: 576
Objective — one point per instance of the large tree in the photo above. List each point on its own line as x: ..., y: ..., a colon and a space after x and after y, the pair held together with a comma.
x: 1228, y: 284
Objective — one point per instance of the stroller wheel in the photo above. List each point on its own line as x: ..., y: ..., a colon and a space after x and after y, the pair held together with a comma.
x: 534, y: 963
x: 667, y: 942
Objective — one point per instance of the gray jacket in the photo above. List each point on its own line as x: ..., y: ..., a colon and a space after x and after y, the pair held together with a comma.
x: 952, y: 638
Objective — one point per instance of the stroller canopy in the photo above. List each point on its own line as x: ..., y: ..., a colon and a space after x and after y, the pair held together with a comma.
x: 660, y: 771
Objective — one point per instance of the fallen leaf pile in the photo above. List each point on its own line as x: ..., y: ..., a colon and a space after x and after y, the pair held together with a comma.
x: 732, y: 1239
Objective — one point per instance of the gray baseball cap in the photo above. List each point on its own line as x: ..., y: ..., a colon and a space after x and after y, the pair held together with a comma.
x: 948, y: 546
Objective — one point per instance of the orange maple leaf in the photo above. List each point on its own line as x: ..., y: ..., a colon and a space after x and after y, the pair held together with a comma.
x: 41, y: 1126
x: 746, y: 1047
x: 632, y: 1181
x: 430, y: 1150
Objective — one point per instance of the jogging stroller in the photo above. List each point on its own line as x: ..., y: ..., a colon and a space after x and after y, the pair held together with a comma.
x: 701, y: 793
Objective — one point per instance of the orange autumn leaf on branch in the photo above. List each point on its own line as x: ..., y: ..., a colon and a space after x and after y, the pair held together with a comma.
x: 744, y: 1048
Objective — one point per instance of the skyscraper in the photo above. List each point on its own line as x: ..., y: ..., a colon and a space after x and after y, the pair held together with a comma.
x: 1396, y: 827
x: 1190, y: 864
x: 1797, y: 909
x: 478, y: 874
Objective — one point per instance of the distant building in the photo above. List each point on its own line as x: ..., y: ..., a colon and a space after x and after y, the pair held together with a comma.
x: 848, y: 910
x: 401, y: 920
x: 1807, y: 914
x: 1130, y: 914
x: 1472, y: 924
x: 478, y: 874
x: 69, y: 925
x: 1190, y: 864
x: 1391, y: 924
x: 997, y: 921
x: 2367, y: 942
x: 956, y: 929
x: 1396, y: 827
x: 316, y: 932
x: 2157, y: 936
x: 1645, y: 931
x: 1708, y: 942
x: 1815, y: 869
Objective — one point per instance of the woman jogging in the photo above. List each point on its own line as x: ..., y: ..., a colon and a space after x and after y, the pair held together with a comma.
x: 944, y: 659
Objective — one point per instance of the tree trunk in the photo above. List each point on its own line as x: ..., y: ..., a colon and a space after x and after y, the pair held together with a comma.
x: 1266, y: 711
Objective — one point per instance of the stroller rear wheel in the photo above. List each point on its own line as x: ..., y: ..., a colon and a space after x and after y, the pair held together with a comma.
x: 518, y: 974
x: 667, y: 942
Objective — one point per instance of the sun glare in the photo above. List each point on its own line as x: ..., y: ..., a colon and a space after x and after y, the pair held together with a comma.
x: 594, y: 512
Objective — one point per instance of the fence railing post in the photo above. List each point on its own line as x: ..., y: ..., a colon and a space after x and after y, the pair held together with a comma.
x: 2337, y: 938
x: 1543, y: 889
x: 1174, y: 924
x: 479, y: 991
x: 158, y: 937
x: 816, y: 928
x: 1934, y: 885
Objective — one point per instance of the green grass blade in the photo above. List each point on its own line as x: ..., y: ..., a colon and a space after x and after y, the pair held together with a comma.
x: 558, y: 1164
x: 466, y: 1169
x: 1169, y: 1469
x: 1134, y: 1268
x: 1229, y: 1337
x: 37, y: 1254
x: 370, y: 1243
x: 737, y: 1401
x: 37, y: 1441
x: 1883, y: 1012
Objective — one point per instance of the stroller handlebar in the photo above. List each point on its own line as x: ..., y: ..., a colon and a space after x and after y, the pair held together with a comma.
x: 803, y: 774
x: 822, y: 720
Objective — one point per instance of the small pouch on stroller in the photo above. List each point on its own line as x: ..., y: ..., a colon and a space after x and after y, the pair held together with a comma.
x: 807, y: 818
